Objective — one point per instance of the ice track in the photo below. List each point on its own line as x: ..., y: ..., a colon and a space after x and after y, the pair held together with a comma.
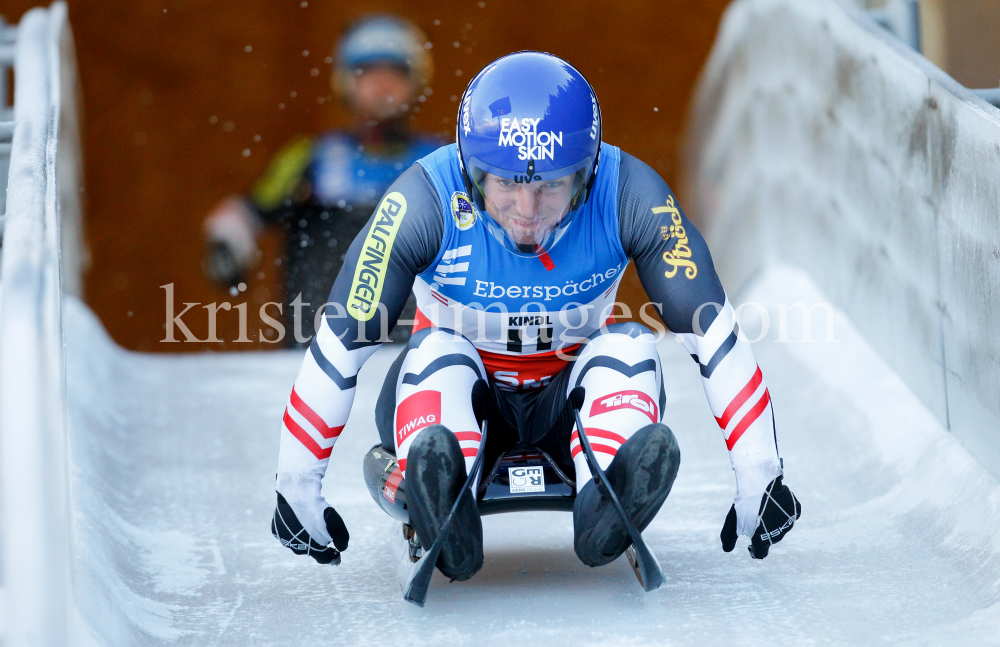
x: 173, y: 462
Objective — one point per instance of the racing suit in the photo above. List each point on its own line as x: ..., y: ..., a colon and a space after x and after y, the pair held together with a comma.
x: 534, y: 327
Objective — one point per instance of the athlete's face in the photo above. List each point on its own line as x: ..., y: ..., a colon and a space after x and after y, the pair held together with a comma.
x: 381, y: 91
x: 528, y: 212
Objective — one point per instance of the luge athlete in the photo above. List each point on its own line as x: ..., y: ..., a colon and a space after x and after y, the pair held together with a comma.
x: 514, y: 241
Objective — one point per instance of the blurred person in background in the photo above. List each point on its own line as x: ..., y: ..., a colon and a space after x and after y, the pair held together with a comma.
x: 323, y: 189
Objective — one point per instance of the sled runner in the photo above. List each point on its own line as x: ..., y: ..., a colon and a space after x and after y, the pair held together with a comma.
x: 646, y: 568
x: 414, y: 566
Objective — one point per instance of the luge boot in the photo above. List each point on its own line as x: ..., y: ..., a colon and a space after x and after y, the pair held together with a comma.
x: 435, y: 475
x: 641, y: 475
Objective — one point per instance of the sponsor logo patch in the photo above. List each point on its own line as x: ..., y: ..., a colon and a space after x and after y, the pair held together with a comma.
x: 626, y: 400
x: 369, y: 275
x: 526, y: 479
x: 530, y: 320
x: 420, y: 410
x: 680, y: 255
x: 531, y: 144
x: 462, y: 210
x: 570, y: 288
x: 532, y: 329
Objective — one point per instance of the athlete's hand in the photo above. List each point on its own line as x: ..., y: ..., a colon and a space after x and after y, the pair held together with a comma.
x: 285, y: 526
x: 779, y: 510
x: 231, y: 232
x: 221, y: 265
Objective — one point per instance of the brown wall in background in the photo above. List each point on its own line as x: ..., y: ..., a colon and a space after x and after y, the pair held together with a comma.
x: 973, y: 42
x: 172, y: 99
x: 962, y: 37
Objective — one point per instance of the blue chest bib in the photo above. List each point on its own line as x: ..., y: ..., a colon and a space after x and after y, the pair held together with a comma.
x: 507, y: 303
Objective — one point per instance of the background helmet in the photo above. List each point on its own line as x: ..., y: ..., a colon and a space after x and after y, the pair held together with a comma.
x: 532, y: 119
x: 382, y: 40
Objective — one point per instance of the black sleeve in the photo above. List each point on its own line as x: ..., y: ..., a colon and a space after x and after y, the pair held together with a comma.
x: 670, y: 255
x: 402, y: 238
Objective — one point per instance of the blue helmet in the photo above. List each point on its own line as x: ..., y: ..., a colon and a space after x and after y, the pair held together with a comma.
x: 529, y: 138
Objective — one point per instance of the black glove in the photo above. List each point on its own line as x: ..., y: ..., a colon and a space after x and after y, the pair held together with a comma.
x: 221, y: 265
x: 779, y: 510
x: 286, y: 528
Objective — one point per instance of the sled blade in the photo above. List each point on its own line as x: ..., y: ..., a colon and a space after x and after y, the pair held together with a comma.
x: 646, y: 568
x: 415, y: 589
x: 420, y: 576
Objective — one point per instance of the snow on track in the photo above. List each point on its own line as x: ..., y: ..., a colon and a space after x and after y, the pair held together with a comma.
x: 173, y: 468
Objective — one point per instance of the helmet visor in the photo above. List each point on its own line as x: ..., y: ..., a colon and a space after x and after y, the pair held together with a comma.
x: 529, y: 213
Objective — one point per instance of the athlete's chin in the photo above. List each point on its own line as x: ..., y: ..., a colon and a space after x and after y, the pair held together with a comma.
x: 526, y: 236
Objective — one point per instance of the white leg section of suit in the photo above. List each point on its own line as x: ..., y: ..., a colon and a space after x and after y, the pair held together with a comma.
x: 617, y: 404
x: 435, y: 387
x: 741, y: 403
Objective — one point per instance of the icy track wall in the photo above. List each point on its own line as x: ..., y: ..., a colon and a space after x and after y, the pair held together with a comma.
x: 819, y: 140
x: 34, y: 540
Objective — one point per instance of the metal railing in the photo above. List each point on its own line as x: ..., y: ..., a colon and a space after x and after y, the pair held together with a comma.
x: 35, y: 520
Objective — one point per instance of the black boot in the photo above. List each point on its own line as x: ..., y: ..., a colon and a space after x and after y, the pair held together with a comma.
x: 641, y: 475
x: 435, y: 474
